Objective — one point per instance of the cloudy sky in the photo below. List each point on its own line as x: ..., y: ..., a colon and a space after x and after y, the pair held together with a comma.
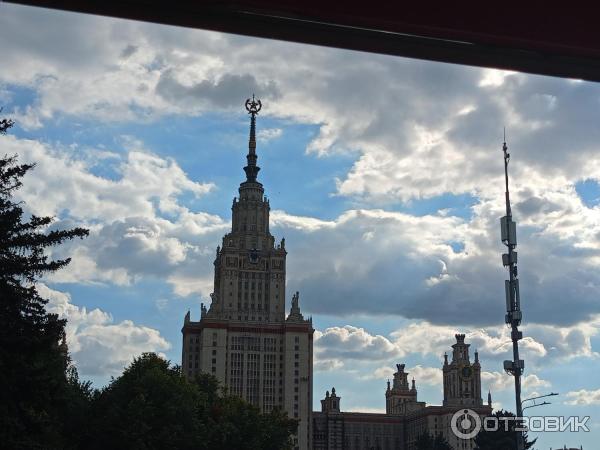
x: 384, y: 175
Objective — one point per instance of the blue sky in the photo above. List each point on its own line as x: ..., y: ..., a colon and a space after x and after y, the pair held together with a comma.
x: 384, y: 176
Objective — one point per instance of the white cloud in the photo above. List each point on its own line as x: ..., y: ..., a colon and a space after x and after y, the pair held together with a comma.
x: 350, y: 342
x: 327, y: 365
x: 431, y: 376
x: 98, y: 346
x: 268, y: 134
x: 497, y: 381
x: 138, y: 226
x: 583, y: 397
x: 409, y: 265
x: 335, y: 345
x: 364, y: 409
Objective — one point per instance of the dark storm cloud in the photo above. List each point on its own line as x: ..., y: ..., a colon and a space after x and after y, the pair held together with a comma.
x: 402, y: 270
x: 224, y: 92
x: 536, y: 205
x: 129, y: 50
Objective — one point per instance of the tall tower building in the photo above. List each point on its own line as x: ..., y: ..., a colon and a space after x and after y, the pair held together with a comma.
x: 244, y: 338
x: 462, y: 380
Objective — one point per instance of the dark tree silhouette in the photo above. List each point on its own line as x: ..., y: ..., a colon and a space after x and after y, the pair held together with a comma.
x: 152, y: 406
x: 33, y: 362
x: 427, y: 442
x: 5, y: 124
x: 501, y: 439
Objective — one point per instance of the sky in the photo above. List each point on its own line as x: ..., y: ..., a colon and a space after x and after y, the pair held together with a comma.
x: 385, y: 176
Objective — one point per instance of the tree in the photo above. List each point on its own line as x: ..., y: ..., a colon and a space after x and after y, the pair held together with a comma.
x: 427, y: 442
x: 152, y: 406
x: 240, y: 425
x: 5, y: 124
x: 504, y: 437
x: 33, y: 363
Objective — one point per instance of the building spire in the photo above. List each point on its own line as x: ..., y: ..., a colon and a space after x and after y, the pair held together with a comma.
x: 253, y: 106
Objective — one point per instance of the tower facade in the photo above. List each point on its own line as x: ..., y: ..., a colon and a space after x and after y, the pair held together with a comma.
x: 244, y: 338
x: 401, y: 398
x: 462, y: 379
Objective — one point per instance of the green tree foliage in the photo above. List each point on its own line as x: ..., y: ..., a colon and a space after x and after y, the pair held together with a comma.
x: 151, y: 406
x: 33, y: 363
x: 502, y: 439
x: 427, y: 442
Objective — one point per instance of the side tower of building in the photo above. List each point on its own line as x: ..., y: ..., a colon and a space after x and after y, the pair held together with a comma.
x: 462, y: 380
x: 244, y: 338
x: 400, y: 398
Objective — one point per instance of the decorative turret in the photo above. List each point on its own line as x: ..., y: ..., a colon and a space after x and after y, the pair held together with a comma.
x: 490, y: 399
x: 460, y: 350
x: 331, y: 403
x: 462, y: 380
x: 401, y: 398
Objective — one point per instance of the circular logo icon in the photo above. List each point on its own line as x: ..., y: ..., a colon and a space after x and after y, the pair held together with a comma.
x: 465, y: 424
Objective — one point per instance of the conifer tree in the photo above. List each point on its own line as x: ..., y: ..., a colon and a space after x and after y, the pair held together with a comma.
x: 33, y: 355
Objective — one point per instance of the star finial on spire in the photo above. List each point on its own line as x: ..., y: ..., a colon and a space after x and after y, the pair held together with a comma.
x: 253, y: 107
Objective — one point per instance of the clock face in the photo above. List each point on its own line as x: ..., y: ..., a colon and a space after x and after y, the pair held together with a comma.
x: 466, y: 372
x: 253, y: 256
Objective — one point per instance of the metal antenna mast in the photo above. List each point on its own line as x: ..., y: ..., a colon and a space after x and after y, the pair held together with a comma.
x: 508, y: 231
